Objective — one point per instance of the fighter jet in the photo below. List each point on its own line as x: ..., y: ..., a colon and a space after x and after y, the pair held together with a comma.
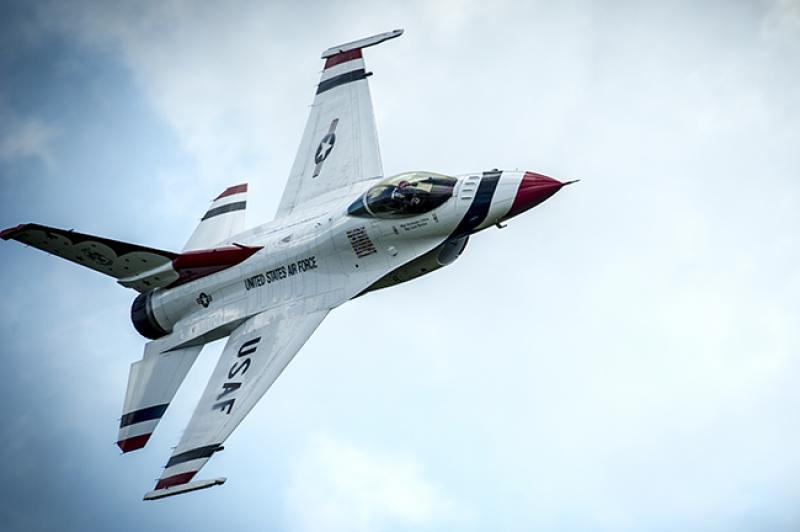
x: 342, y: 229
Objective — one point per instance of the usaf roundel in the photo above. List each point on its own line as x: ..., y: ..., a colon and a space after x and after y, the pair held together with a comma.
x: 325, y: 147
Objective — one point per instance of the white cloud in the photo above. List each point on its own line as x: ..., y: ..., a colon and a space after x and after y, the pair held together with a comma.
x: 337, y: 486
x: 783, y: 15
x: 22, y: 137
x: 622, y: 357
x: 217, y: 76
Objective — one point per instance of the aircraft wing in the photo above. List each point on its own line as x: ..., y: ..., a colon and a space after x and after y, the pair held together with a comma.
x: 340, y: 143
x: 255, y: 355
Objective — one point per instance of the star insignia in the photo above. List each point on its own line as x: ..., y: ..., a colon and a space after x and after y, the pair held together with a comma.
x: 204, y: 299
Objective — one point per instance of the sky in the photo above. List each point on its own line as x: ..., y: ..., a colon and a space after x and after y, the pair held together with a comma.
x: 623, y: 357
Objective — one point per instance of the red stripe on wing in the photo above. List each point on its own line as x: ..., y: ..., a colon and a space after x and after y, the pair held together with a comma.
x: 343, y: 57
x: 175, y: 480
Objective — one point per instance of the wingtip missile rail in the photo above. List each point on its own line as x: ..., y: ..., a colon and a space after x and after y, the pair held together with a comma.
x: 183, y: 488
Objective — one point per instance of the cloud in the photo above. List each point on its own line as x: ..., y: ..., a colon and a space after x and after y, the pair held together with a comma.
x: 23, y: 137
x: 619, y: 359
x: 336, y: 486
x: 213, y: 74
x: 783, y: 15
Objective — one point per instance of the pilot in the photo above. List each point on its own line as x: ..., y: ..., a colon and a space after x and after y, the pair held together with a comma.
x: 407, y: 194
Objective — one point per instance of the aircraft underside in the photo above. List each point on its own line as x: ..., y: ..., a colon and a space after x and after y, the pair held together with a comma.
x: 342, y: 230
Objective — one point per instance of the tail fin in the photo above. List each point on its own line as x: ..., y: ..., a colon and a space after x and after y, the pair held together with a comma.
x: 223, y: 219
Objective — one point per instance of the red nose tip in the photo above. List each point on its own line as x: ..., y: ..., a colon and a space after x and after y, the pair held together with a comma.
x: 534, y: 189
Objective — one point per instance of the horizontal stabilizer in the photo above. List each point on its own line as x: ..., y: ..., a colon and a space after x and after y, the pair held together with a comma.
x: 189, y: 266
x: 152, y: 384
x: 133, y: 266
x: 111, y: 257
x: 183, y: 488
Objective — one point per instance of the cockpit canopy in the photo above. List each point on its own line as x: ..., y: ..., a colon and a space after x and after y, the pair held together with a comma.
x: 404, y: 195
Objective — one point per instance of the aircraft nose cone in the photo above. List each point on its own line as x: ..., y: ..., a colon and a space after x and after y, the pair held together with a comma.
x: 533, y: 190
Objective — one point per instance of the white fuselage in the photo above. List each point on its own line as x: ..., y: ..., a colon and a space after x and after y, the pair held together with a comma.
x: 318, y: 256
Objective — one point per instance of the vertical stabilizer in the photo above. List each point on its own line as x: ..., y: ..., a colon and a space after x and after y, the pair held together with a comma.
x: 222, y: 220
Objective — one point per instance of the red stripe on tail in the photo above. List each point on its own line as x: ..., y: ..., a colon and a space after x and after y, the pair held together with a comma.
x: 6, y: 234
x: 230, y: 191
x: 136, y: 442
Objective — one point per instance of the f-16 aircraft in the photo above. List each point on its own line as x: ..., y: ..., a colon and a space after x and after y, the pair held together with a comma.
x: 342, y: 229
